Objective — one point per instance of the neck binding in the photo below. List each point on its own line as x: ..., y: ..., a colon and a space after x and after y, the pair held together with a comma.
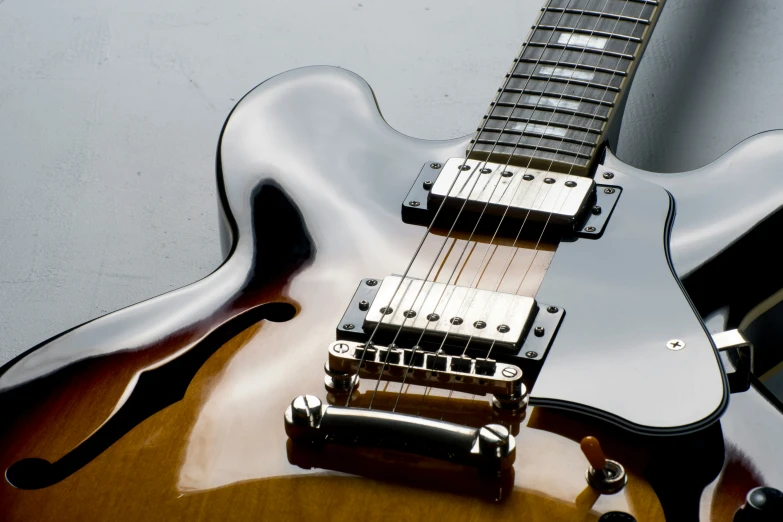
x: 567, y: 86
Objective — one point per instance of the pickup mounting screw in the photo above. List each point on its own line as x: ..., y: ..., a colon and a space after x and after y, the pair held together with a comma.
x: 456, y: 321
x: 589, y: 229
x: 364, y: 306
x: 549, y: 181
x: 371, y: 282
x: 509, y: 372
x: 348, y: 326
x: 531, y: 354
x: 503, y: 328
x: 596, y: 210
x: 608, y: 175
x: 538, y: 331
x: 506, y: 173
x: 386, y: 310
x: 414, y: 203
x: 552, y: 309
x: 486, y: 170
x: 675, y: 344
x: 427, y: 185
x: 341, y: 348
x: 528, y: 177
x: 464, y: 167
x: 435, y: 165
x: 570, y: 184
x: 409, y: 314
x: 433, y: 317
x: 479, y: 325
x: 608, y: 191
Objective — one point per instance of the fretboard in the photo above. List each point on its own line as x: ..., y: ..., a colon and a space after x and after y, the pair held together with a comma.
x: 565, y: 88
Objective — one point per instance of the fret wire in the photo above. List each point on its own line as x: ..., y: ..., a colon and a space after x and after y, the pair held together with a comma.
x: 597, y: 14
x: 579, y: 30
x: 600, y: 52
x: 534, y: 134
x: 569, y: 81
x: 543, y: 148
x: 572, y: 65
x: 537, y: 121
x: 573, y: 97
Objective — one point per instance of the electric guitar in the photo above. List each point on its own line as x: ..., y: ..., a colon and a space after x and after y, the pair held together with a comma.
x: 513, y: 325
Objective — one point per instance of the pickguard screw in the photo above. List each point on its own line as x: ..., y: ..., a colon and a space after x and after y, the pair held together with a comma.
x: 409, y: 313
x: 435, y: 165
x: 589, y: 229
x: 503, y: 328
x: 386, y: 310
x: 675, y: 344
x: 414, y: 203
x: 371, y: 282
x: 456, y: 321
x: 427, y: 185
x: 596, y: 210
x: 509, y: 372
x: 486, y: 170
x: 608, y: 191
x: 570, y: 184
x: 608, y: 175
x: 433, y: 317
x: 464, y: 167
x: 531, y: 355
x: 479, y: 324
x: 364, y: 306
x: 348, y: 326
x: 539, y: 331
x: 506, y: 173
x: 341, y: 348
x: 528, y: 177
x: 549, y: 181
x: 552, y: 309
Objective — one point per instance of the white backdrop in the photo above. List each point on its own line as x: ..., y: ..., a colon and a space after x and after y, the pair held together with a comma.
x: 110, y: 113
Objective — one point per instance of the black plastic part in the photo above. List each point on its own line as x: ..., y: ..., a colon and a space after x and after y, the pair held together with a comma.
x: 415, y: 209
x: 593, y: 225
x: 763, y: 504
x: 351, y: 325
x: 617, y: 516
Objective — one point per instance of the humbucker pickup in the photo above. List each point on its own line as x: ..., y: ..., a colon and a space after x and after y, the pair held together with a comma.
x: 514, y: 192
x: 449, y: 313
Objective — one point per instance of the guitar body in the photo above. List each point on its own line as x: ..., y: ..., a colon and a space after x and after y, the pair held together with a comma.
x: 172, y: 409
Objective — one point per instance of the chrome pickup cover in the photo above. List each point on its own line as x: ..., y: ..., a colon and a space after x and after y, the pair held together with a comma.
x: 515, y: 192
x: 459, y: 314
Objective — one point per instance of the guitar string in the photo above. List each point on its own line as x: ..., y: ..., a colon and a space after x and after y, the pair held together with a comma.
x: 448, y: 236
x: 625, y: 48
x: 467, y: 243
x: 556, y: 207
x: 521, y: 173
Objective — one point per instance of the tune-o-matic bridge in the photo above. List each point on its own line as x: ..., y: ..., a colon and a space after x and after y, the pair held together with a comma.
x: 414, y: 366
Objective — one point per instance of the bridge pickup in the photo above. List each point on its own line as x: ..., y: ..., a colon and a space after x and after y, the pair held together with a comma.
x: 458, y: 315
x: 512, y: 192
x: 457, y: 373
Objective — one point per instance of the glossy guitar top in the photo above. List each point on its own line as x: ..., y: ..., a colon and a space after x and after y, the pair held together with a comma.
x: 311, y: 179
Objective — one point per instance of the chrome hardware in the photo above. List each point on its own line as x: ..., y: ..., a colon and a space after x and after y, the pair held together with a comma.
x: 537, y: 195
x: 337, y: 382
x: 610, y: 479
x: 675, y: 344
x: 478, y: 376
x: 481, y: 316
x: 740, y: 351
x: 490, y: 448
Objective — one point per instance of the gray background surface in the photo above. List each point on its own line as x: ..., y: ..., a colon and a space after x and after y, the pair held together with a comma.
x: 110, y: 113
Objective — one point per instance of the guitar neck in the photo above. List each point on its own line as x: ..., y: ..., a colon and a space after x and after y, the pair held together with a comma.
x: 564, y: 94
